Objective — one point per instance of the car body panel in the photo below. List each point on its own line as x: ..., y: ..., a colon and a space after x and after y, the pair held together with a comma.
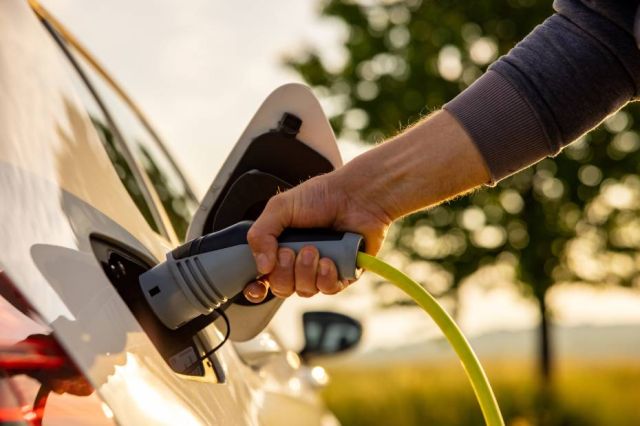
x: 54, y: 172
x: 58, y: 187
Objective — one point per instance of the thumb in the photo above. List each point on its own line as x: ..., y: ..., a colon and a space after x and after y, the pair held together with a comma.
x: 263, y: 234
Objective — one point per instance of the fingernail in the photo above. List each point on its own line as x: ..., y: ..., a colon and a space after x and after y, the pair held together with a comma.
x: 308, y: 257
x: 324, y: 268
x: 253, y: 293
x: 250, y: 292
x: 284, y: 258
x: 262, y: 262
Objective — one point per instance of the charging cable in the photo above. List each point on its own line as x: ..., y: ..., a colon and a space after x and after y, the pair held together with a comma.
x: 475, y: 373
x: 210, y: 352
x: 202, y: 275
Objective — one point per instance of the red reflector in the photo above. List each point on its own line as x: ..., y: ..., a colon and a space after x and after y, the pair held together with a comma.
x: 14, y: 361
x: 13, y: 410
x: 19, y: 416
x: 11, y: 415
x: 32, y: 353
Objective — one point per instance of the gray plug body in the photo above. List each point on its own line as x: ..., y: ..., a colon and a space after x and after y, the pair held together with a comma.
x: 205, y: 273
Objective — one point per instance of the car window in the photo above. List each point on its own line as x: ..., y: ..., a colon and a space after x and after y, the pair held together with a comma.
x: 124, y: 169
x: 169, y: 184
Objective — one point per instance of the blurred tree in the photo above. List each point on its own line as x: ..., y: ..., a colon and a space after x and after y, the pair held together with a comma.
x: 568, y: 218
x: 123, y: 169
x: 175, y: 200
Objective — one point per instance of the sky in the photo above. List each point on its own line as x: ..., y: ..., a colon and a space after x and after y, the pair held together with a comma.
x: 200, y: 72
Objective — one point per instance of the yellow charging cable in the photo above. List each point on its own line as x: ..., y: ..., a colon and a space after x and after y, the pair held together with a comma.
x: 472, y: 367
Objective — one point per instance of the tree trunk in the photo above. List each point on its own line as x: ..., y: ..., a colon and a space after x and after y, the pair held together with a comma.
x: 546, y: 353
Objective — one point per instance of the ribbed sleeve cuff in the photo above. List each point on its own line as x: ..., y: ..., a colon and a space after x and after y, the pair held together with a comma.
x: 502, y: 124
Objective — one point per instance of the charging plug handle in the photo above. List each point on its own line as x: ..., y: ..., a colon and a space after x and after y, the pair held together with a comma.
x: 205, y: 273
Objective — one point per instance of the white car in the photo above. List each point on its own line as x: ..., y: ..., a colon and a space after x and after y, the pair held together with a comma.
x: 89, y: 200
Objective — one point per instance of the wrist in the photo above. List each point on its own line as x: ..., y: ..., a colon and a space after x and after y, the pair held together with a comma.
x: 425, y: 165
x: 363, y: 183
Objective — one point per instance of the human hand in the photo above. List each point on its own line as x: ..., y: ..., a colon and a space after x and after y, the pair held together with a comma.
x: 327, y: 201
x: 426, y: 164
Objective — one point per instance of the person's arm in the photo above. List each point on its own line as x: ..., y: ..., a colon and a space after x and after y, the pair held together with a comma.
x: 562, y: 80
x: 430, y: 162
x: 572, y: 71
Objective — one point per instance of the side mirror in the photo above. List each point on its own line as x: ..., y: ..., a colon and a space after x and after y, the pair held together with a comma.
x: 328, y: 333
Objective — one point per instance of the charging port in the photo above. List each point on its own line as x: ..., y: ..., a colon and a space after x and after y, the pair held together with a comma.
x: 179, y: 348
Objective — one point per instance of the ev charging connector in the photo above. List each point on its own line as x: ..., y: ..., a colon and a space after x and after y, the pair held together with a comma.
x: 203, y: 274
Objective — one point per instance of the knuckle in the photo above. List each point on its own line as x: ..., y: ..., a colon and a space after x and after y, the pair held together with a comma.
x: 280, y: 283
x: 275, y: 282
x: 329, y: 288
x: 253, y: 236
x: 305, y: 293
x: 283, y: 293
x: 277, y: 202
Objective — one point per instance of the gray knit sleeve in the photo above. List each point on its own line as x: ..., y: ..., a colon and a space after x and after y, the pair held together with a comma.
x: 563, y: 79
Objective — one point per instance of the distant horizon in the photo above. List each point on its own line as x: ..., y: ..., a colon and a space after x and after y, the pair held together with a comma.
x: 585, y: 342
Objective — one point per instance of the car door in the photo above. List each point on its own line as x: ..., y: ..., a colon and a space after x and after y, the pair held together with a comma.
x: 287, y: 141
x: 79, y: 223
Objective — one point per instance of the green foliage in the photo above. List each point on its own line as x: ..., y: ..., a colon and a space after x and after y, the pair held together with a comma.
x: 123, y: 170
x: 174, y: 198
x: 391, y: 70
x: 568, y: 218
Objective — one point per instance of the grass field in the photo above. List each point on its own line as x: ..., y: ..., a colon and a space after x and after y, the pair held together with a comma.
x: 583, y: 393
